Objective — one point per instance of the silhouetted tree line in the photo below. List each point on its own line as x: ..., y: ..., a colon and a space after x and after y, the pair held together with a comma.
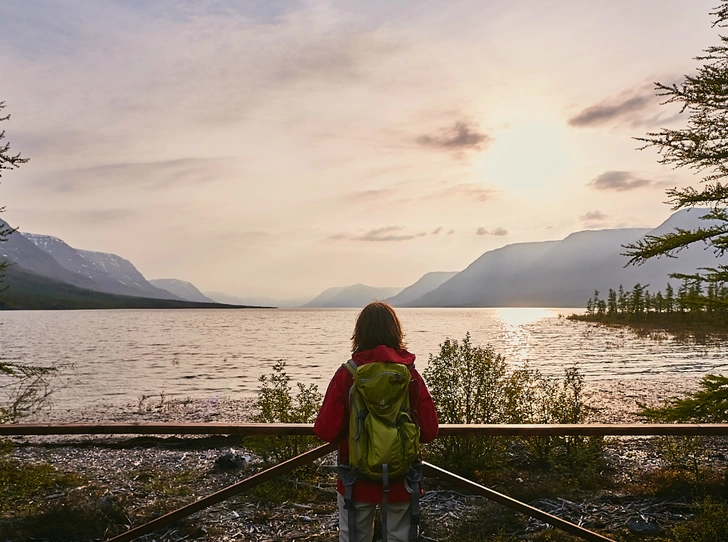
x: 693, y: 297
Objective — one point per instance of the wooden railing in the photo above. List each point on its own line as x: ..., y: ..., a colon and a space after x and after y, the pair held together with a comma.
x: 446, y: 430
x: 511, y: 430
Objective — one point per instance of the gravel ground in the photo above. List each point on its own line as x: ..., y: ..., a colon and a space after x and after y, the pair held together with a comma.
x: 112, y: 462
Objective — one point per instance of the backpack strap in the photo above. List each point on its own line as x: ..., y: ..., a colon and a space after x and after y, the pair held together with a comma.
x: 383, y: 505
x: 351, y: 366
x: 413, y: 483
x: 348, y: 477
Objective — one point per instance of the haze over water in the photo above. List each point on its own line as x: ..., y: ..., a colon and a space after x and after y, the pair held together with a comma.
x: 120, y: 355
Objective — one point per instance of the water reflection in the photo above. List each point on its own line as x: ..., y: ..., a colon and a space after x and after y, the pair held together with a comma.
x: 517, y: 316
x: 129, y: 353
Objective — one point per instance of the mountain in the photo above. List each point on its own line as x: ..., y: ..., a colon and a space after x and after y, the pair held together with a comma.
x: 356, y: 296
x: 425, y: 284
x: 182, y: 289
x: 488, y: 280
x: 107, y: 272
x: 29, y: 291
x: 565, y: 273
x: 23, y: 253
x: 47, y: 273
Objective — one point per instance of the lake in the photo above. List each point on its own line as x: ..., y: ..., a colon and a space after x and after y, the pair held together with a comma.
x: 120, y: 355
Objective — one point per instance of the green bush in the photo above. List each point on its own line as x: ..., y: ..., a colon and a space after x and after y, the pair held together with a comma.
x: 708, y: 404
x: 276, y: 404
x: 711, y: 524
x: 468, y: 385
x: 474, y: 385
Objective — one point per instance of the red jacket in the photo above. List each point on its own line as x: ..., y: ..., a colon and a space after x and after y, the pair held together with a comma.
x: 332, y: 422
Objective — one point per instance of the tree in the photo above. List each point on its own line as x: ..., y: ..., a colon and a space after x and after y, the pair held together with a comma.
x: 669, y: 298
x: 25, y: 387
x: 637, y: 300
x: 702, y: 146
x: 621, y: 301
x: 612, y: 303
x: 7, y: 161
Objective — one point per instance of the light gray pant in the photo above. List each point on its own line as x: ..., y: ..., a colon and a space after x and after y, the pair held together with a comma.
x: 399, y: 518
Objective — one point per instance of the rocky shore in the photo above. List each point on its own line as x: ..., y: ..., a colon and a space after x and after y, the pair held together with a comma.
x: 120, y: 468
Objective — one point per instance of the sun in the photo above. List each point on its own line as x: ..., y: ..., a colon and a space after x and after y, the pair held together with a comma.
x: 530, y: 154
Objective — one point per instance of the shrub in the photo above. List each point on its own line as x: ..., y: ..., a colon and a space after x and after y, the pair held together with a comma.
x: 473, y: 385
x: 711, y: 524
x: 25, y: 389
x: 708, y: 404
x: 276, y: 404
x: 468, y: 385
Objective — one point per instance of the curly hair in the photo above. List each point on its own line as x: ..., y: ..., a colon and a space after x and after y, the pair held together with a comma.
x: 377, y: 324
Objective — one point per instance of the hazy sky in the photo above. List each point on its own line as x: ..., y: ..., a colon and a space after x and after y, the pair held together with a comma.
x: 281, y: 147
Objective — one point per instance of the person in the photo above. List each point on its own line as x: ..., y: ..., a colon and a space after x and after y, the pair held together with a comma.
x: 377, y: 336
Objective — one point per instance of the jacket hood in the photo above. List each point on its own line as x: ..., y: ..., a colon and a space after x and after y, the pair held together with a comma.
x: 384, y: 353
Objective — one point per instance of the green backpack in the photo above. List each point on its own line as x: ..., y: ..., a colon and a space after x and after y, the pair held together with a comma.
x: 382, y: 434
x: 384, y: 441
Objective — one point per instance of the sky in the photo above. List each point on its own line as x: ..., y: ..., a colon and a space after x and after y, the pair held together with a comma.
x: 281, y: 147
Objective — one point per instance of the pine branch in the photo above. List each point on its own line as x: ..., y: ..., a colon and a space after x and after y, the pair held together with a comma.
x: 670, y: 243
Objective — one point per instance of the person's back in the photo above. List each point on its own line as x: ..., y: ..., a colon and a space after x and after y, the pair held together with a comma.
x: 377, y: 338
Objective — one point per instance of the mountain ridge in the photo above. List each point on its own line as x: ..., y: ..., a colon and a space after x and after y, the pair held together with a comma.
x: 182, y: 289
x: 354, y: 296
x: 108, y: 272
x: 565, y: 273
x: 555, y: 273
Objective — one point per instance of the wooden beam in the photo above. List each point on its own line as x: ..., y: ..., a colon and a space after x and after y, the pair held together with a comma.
x: 518, y: 506
x: 596, y: 429
x: 446, y: 430
x: 150, y: 428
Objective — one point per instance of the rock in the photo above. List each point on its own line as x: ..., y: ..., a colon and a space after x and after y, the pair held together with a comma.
x: 640, y: 526
x: 231, y: 460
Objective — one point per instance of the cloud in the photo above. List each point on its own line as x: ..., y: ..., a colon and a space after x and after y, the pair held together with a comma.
x: 148, y: 175
x: 619, y: 181
x: 389, y: 233
x: 437, y: 230
x: 605, y: 112
x: 634, y: 106
x: 498, y: 232
x: 451, y: 232
x: 469, y: 191
x: 460, y: 137
x: 370, y: 195
x: 593, y: 216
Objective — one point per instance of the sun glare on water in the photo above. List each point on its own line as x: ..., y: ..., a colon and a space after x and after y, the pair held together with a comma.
x: 518, y: 316
x: 517, y: 339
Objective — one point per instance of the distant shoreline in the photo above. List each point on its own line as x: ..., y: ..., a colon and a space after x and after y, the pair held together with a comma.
x: 687, y: 327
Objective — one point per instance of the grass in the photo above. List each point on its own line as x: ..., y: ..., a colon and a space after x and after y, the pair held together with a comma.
x: 22, y: 487
x: 38, y: 501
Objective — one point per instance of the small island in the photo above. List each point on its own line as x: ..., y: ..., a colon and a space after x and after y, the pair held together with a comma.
x: 690, y: 311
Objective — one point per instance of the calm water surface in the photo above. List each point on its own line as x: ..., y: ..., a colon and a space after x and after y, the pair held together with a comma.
x: 119, y: 355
